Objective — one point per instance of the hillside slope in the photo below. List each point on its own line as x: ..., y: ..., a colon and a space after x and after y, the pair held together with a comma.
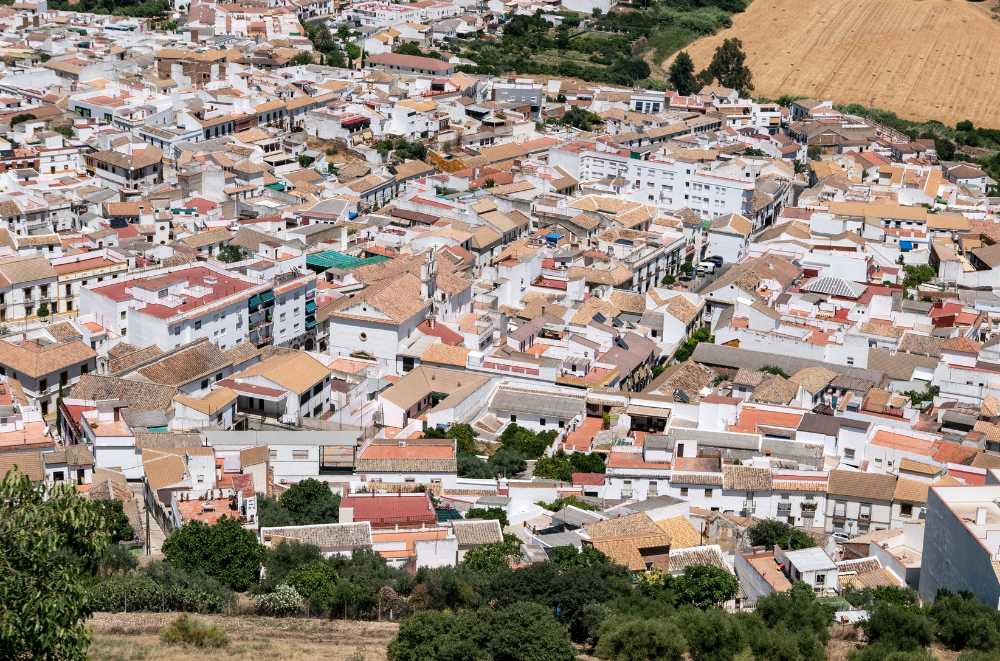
x: 923, y: 59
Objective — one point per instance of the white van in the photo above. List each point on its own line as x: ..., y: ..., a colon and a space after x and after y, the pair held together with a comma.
x: 705, y: 268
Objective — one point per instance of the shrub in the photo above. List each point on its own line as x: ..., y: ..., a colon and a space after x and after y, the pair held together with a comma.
x: 640, y: 639
x: 118, y: 560
x: 312, y: 579
x: 159, y: 587
x: 286, y: 600
x: 962, y: 621
x: 491, y: 513
x: 225, y: 551
x: 186, y: 631
x: 897, y: 627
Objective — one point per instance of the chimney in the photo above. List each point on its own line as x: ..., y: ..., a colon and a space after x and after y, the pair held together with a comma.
x: 980, y: 516
x: 543, y: 308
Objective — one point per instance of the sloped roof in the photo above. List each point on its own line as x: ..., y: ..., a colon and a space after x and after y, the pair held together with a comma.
x: 835, y: 287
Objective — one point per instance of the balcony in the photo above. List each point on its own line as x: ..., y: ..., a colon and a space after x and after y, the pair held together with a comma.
x: 784, y: 505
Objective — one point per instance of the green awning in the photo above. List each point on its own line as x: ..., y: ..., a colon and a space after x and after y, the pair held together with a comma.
x: 278, y: 187
x: 254, y: 301
x: 310, y: 321
x: 311, y: 307
x: 267, y: 297
x: 332, y: 258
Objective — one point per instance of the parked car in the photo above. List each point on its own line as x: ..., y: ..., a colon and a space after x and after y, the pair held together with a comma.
x: 842, y: 536
x: 715, y: 259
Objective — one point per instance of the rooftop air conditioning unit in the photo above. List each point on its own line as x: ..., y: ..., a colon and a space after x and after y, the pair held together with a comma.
x: 282, y: 481
x: 402, y: 444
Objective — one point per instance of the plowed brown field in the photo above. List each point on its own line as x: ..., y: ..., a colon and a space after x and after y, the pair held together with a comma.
x: 923, y: 59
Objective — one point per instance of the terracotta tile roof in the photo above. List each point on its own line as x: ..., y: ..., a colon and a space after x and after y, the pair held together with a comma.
x: 877, y: 400
x: 818, y: 487
x: 398, y: 299
x: 682, y: 534
x: 297, y: 372
x: 872, y: 579
x: 29, y: 463
x: 774, y: 390
x: 210, y: 404
x: 476, y: 532
x: 953, y: 453
x: 242, y: 352
x: 622, y: 526
x: 746, y: 478
x: 130, y: 361
x: 138, y: 395
x: 37, y: 361
x: 327, y: 536
x: 163, y: 469
x: 405, y: 465
x: 813, y: 379
x: 748, y: 377
x: 960, y: 344
x: 625, y: 551
x: 861, y: 485
x: 880, y: 330
x: 912, y: 491
x: 187, y: 364
x: 201, y: 239
x: 444, y: 354
x: 907, y: 464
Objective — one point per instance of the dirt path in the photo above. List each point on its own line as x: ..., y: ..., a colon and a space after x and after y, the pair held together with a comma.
x: 135, y: 636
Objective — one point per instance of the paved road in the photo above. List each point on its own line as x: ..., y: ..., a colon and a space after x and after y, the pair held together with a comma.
x: 704, y: 281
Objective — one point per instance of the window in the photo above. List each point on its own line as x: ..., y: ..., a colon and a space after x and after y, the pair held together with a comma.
x: 45, y: 408
x: 281, y: 317
x: 627, y: 489
x: 272, y: 454
x: 295, y: 312
x: 652, y: 489
x: 848, y: 453
x: 820, y: 579
x: 684, y: 491
x: 63, y: 378
x: 513, y: 418
x: 840, y: 508
x: 906, y: 509
x: 43, y: 385
x: 197, y: 325
x: 58, y: 476
x: 541, y: 421
x: 84, y: 368
x: 204, y: 384
x: 708, y: 493
x: 562, y: 424
x: 177, y: 330
x: 866, y: 512
x: 300, y: 454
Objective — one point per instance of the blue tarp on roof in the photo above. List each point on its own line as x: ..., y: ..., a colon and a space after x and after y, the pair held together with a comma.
x: 906, y: 245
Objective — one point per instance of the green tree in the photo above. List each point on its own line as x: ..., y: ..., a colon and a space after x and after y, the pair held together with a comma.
x: 23, y: 117
x: 918, y: 275
x: 335, y: 58
x: 704, y: 585
x: 305, y: 160
x: 639, y: 639
x: 775, y: 370
x: 343, y: 32
x: 897, y: 627
x: 562, y: 465
x: 312, y: 579
x: 66, y: 131
x: 353, y: 52
x: 48, y: 541
x: 281, y: 560
x: 770, y: 533
x: 962, y: 621
x: 271, y: 513
x: 410, y: 48
x: 115, y: 520
x: 728, y: 66
x: 225, y: 551
x: 472, y: 467
x: 525, y: 441
x: 563, y: 501
x: 685, y: 350
x: 489, y: 514
x: 321, y: 38
x: 753, y: 151
x: 464, y: 435
x: 491, y: 558
x: 507, y: 461
x: 682, y: 75
x: 309, y: 500
x: 301, y: 59
x: 43, y: 311
x: 569, y: 556
x: 230, y: 253
x: 964, y: 126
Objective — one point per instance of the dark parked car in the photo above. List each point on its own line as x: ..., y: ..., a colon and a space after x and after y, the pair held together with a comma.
x: 715, y: 259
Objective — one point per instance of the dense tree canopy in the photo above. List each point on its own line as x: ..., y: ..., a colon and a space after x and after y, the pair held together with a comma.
x: 225, y: 551
x: 47, y: 543
x: 770, y: 533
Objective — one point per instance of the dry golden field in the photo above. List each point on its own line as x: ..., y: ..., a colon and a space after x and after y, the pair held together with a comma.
x: 923, y: 59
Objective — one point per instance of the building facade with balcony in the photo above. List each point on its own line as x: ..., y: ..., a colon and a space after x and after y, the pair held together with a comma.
x: 859, y: 503
x: 30, y: 285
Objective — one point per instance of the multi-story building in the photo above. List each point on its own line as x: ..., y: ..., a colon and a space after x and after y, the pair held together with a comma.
x: 30, y: 286
x: 382, y: 13
x: 77, y: 271
x: 129, y: 168
x: 171, y: 307
x: 859, y: 503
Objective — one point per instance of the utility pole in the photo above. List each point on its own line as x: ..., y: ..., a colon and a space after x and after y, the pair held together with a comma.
x: 149, y: 534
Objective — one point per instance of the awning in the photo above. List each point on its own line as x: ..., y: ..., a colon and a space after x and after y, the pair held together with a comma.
x: 278, y: 187
x: 648, y: 411
x: 310, y: 322
x: 906, y: 245
x: 254, y: 301
x: 267, y: 297
x: 311, y: 307
x: 367, y: 135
